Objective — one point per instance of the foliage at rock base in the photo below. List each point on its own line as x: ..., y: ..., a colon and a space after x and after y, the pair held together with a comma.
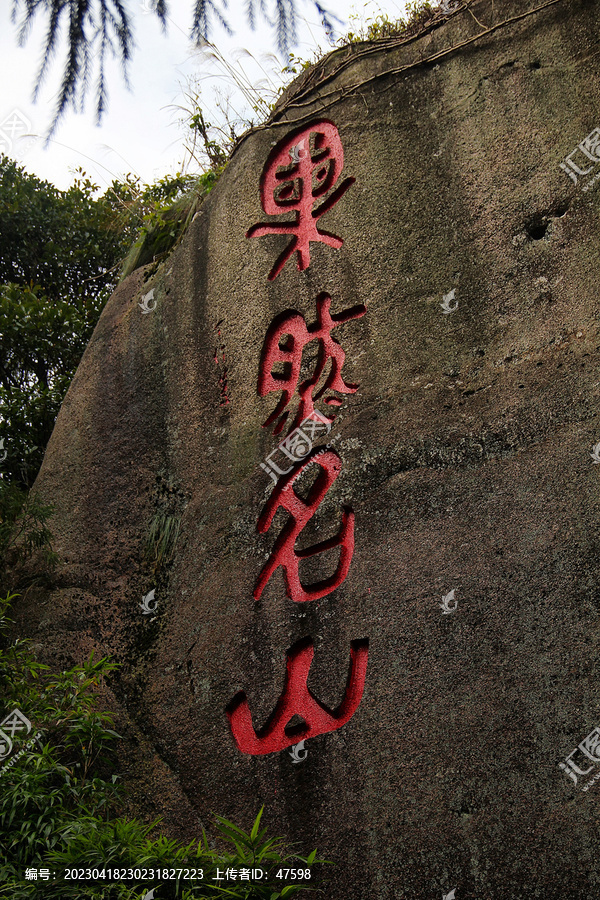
x: 60, y: 799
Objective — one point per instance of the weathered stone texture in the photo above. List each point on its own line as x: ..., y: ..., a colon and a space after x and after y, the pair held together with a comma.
x: 466, y: 460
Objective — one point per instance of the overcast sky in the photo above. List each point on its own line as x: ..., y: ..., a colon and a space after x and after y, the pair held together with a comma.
x: 141, y: 132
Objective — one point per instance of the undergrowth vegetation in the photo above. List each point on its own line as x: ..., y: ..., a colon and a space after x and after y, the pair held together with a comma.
x: 61, y: 801
x: 375, y: 27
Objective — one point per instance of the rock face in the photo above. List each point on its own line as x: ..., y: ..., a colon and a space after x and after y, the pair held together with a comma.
x: 456, y: 597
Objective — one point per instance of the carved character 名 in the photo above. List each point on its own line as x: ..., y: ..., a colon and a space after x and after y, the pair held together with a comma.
x: 301, y: 512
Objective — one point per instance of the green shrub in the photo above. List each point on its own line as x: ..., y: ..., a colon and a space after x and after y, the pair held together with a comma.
x: 419, y: 12
x: 23, y: 527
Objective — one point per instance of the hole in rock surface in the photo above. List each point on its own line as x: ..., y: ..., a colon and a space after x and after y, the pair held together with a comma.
x: 537, y: 230
x: 561, y: 208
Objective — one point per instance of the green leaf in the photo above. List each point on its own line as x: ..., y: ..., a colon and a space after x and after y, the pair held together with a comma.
x: 256, y: 825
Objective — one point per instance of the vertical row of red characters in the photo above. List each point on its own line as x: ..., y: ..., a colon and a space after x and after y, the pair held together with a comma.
x: 301, y: 177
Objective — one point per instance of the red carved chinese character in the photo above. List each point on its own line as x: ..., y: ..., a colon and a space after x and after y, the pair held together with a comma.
x: 287, y: 353
x: 300, y: 513
x: 297, y: 699
x: 299, y: 170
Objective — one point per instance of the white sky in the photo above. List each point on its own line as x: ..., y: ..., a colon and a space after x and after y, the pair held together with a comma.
x: 141, y: 131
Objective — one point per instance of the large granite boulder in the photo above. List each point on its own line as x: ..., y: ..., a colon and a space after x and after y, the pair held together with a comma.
x: 444, y: 297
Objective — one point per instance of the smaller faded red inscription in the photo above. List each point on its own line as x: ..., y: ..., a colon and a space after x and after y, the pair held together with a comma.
x: 300, y: 169
x: 284, y: 554
x: 286, y: 338
x: 297, y: 700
